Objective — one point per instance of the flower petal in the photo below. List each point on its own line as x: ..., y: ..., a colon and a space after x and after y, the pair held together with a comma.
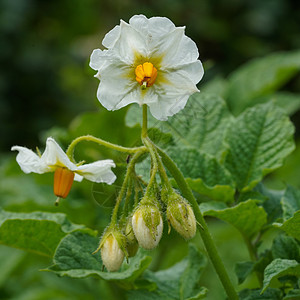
x: 30, y: 161
x: 172, y: 94
x: 54, y: 156
x: 111, y: 37
x: 78, y: 177
x: 99, y: 171
x: 152, y: 28
x: 193, y: 70
x: 184, y: 51
x: 129, y: 43
x: 99, y: 58
x: 116, y: 86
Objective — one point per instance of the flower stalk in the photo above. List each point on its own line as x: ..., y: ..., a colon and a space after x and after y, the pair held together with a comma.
x: 206, y: 237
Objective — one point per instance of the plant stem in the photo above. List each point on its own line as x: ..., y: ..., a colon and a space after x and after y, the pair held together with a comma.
x: 253, y: 257
x: 90, y: 138
x: 145, y: 121
x: 206, y: 237
x: 125, y: 184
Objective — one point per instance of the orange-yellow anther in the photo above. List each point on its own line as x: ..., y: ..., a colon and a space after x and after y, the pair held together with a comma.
x: 146, y: 74
x: 63, y: 180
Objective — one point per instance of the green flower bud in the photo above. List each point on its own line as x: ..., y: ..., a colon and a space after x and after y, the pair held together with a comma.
x: 112, y: 246
x: 147, y: 225
x: 181, y: 216
x: 132, y: 244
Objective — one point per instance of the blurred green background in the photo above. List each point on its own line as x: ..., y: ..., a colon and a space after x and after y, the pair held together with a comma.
x: 45, y: 82
x: 45, y: 46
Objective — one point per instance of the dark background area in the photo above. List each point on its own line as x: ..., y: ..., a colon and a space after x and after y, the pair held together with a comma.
x: 45, y: 79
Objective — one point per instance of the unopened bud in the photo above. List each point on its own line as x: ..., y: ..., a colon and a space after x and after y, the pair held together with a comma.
x: 111, y: 254
x: 181, y: 216
x: 132, y: 244
x: 112, y: 246
x: 147, y: 226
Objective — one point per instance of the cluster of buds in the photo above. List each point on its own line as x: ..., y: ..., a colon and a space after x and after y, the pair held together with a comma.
x: 144, y: 227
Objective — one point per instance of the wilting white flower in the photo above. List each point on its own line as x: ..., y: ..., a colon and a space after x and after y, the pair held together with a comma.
x: 148, y: 61
x: 54, y: 159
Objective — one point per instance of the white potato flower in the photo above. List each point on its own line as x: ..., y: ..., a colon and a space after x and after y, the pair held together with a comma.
x: 54, y: 159
x: 148, y: 61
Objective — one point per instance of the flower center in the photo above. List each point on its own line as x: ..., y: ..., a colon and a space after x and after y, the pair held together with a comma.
x: 145, y: 74
x: 63, y: 180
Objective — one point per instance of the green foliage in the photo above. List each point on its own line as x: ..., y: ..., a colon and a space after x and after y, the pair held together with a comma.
x: 180, y: 281
x: 279, y: 268
x: 30, y: 231
x: 270, y: 294
x: 259, y: 140
x: 261, y: 76
x: 243, y: 269
x: 246, y: 216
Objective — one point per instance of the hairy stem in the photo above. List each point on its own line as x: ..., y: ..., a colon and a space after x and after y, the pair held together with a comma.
x: 130, y: 169
x: 145, y: 121
x: 206, y: 237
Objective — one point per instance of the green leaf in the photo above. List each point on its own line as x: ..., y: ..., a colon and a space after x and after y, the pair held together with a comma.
x: 260, y: 77
x: 181, y: 281
x: 278, y: 268
x: 247, y: 217
x: 270, y: 294
x: 271, y: 203
x: 74, y: 258
x: 290, y: 202
x: 285, y: 247
x: 37, y: 232
x: 243, y: 269
x: 292, y: 295
x: 204, y: 173
x: 291, y: 226
x: 289, y: 102
x: 202, y: 124
x: 259, y: 140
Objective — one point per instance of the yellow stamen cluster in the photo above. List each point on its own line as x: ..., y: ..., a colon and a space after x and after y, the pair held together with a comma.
x: 146, y: 74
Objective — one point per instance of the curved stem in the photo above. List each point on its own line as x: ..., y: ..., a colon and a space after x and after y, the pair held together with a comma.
x: 90, y: 138
x: 125, y: 184
x: 206, y: 237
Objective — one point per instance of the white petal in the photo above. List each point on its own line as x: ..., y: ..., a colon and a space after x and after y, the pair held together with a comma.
x: 154, y: 28
x: 116, y: 86
x: 54, y: 156
x: 111, y: 37
x: 99, y: 171
x: 29, y: 161
x: 184, y: 52
x: 172, y: 95
x: 193, y: 70
x: 100, y: 59
x: 167, y: 45
x: 129, y: 43
x: 78, y: 177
